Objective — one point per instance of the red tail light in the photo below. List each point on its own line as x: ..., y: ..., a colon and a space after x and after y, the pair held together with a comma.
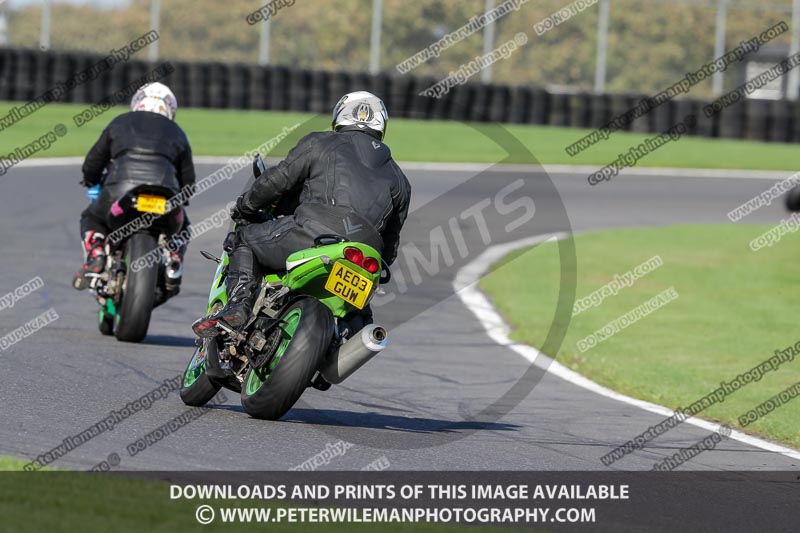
x: 371, y: 265
x: 354, y: 255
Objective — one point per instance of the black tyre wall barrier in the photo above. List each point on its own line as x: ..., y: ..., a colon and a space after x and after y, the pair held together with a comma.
x: 198, y: 86
x: 299, y: 89
x: 779, y: 127
x: 257, y: 87
x: 420, y: 106
x: 26, y: 74
x: 540, y: 103
x: 618, y: 105
x: 6, y: 78
x: 339, y: 84
x: 461, y: 98
x: 397, y: 99
x: 579, y: 116
x: 218, y: 77
x: 82, y: 91
x: 279, y: 89
x: 237, y: 88
x: 321, y: 95
x: 559, y: 109
x: 599, y: 113
x: 684, y: 108
x: 663, y: 116
x: 178, y: 81
x: 640, y: 124
x: 706, y: 126
x: 795, y: 123
x: 497, y: 105
x: 731, y: 121
x: 519, y: 105
x: 755, y: 127
x: 23, y: 71
x: 360, y: 82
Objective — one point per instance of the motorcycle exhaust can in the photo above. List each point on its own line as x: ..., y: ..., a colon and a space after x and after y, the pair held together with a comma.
x: 354, y: 353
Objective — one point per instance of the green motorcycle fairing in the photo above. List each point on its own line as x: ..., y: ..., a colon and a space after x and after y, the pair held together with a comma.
x: 308, y: 274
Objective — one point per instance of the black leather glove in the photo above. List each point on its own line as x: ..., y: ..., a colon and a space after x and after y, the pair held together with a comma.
x: 237, y: 217
x: 241, y: 214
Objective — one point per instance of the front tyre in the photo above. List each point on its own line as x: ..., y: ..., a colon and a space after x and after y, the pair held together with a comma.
x: 307, y: 334
x: 138, y: 293
x: 197, y: 389
x: 105, y: 323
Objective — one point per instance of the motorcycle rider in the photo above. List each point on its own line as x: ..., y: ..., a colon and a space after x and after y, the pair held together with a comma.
x: 343, y: 182
x: 144, y: 146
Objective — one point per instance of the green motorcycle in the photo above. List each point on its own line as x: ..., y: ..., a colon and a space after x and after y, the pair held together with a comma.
x: 306, y: 329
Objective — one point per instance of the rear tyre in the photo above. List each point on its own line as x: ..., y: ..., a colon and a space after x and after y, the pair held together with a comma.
x: 197, y: 389
x: 307, y: 334
x: 793, y: 199
x: 138, y: 293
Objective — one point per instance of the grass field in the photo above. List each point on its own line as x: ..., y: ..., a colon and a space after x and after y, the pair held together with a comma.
x: 230, y: 132
x: 734, y: 309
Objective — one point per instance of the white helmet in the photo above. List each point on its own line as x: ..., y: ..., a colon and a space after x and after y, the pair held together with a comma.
x: 361, y: 109
x: 156, y: 98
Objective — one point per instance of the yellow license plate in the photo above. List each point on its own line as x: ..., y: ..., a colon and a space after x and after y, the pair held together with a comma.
x: 349, y: 285
x: 151, y: 204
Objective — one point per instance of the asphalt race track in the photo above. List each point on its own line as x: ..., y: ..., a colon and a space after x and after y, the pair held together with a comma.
x: 416, y: 404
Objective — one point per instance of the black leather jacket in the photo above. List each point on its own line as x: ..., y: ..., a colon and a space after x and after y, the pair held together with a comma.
x: 336, y: 173
x: 142, y: 148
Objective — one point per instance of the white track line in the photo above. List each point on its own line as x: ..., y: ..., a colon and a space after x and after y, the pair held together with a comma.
x: 466, y: 286
x: 659, y: 172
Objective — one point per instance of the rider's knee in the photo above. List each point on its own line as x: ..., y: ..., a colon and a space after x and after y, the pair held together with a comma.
x: 233, y: 240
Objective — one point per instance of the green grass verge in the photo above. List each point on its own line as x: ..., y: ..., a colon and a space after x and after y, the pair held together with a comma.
x: 99, y: 503
x: 10, y: 464
x: 735, y: 308
x: 230, y: 132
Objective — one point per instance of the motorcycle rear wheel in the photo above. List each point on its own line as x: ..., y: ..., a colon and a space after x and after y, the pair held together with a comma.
x: 307, y: 334
x: 133, y: 314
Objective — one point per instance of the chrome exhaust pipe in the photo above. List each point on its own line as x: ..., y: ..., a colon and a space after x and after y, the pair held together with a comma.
x: 354, y: 353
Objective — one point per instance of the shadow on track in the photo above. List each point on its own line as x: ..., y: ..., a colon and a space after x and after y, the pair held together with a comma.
x: 169, y: 340
x: 372, y: 420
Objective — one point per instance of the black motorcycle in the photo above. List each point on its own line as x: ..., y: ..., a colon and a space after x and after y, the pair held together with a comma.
x: 139, y: 273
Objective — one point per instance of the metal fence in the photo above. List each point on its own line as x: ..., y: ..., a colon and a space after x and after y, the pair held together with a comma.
x: 616, y: 46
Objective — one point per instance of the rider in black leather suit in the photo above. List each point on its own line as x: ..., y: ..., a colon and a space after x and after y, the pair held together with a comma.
x: 144, y: 146
x: 344, y: 181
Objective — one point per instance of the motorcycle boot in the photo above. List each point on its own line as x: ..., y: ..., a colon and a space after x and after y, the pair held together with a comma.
x: 95, y: 246
x: 241, y: 283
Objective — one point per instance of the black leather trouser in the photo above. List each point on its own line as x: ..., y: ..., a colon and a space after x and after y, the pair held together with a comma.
x: 258, y: 248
